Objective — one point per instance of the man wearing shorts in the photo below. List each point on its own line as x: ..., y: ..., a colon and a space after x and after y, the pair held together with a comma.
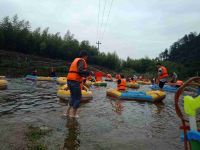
x: 162, y: 75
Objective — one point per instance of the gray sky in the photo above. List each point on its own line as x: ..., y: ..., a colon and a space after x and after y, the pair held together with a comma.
x: 135, y: 28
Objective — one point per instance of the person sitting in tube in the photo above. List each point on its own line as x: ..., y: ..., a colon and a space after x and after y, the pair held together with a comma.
x: 173, y: 77
x: 121, y: 84
x: 133, y: 80
x: 34, y: 73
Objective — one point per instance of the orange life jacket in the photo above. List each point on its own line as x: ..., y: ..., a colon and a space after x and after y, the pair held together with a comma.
x: 73, y: 70
x: 179, y: 82
x: 122, y: 85
x: 164, y: 73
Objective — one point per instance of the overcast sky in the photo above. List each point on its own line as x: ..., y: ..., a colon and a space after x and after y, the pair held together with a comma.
x: 135, y: 28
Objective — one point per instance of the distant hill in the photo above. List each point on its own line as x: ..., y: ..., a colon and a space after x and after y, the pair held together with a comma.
x: 185, y: 51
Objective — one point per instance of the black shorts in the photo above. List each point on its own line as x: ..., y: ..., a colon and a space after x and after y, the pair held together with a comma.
x: 161, y: 84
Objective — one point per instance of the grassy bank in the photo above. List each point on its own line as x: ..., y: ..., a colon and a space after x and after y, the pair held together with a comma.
x: 14, y: 64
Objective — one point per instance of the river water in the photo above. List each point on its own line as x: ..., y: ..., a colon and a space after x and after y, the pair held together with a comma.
x: 103, y: 124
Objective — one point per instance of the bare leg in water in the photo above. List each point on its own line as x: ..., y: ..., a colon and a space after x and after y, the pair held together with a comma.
x: 74, y: 113
x: 67, y: 113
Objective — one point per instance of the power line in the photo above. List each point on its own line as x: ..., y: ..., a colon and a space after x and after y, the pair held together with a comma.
x: 107, y: 19
x: 98, y: 20
x: 102, y: 18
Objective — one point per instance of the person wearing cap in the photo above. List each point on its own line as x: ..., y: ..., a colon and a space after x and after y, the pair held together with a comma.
x: 77, y: 71
x: 162, y: 75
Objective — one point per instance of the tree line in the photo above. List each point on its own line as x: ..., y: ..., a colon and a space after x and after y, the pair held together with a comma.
x: 17, y: 35
x: 185, y: 51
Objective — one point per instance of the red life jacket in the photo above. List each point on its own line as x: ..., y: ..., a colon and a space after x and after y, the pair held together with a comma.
x: 98, y: 76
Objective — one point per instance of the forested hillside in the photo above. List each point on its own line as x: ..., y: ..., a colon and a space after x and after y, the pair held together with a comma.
x: 17, y: 35
x: 185, y: 51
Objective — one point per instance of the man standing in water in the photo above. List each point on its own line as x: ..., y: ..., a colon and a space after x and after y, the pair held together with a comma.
x: 77, y: 71
x: 162, y: 75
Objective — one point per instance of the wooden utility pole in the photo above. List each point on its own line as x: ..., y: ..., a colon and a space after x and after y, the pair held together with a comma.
x: 98, y: 43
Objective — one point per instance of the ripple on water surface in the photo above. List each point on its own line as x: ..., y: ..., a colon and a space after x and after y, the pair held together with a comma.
x: 104, y: 123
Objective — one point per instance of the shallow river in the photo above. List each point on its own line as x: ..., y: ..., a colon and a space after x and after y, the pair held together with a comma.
x: 103, y: 123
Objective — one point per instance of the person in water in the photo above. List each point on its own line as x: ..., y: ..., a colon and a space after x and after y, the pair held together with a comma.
x: 77, y: 71
x: 34, y: 73
x: 133, y: 80
x: 173, y: 78
x: 162, y: 75
x: 53, y: 73
x: 121, y: 84
x: 153, y: 81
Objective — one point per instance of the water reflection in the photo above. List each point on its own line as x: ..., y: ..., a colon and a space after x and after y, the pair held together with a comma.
x: 117, y: 106
x: 72, y: 141
x: 160, y: 106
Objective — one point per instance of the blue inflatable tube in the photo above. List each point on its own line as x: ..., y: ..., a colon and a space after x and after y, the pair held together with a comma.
x: 31, y: 77
x: 136, y: 95
x: 191, y: 135
x: 166, y: 88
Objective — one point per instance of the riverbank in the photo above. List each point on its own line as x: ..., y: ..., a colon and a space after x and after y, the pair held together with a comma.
x: 14, y: 64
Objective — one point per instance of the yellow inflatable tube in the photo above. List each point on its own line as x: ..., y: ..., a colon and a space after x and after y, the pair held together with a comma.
x: 132, y: 85
x: 88, y: 83
x: 144, y: 82
x: 149, y: 96
x: 61, y: 80
x: 41, y: 78
x: 64, y: 93
x: 3, y: 84
x: 156, y: 95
